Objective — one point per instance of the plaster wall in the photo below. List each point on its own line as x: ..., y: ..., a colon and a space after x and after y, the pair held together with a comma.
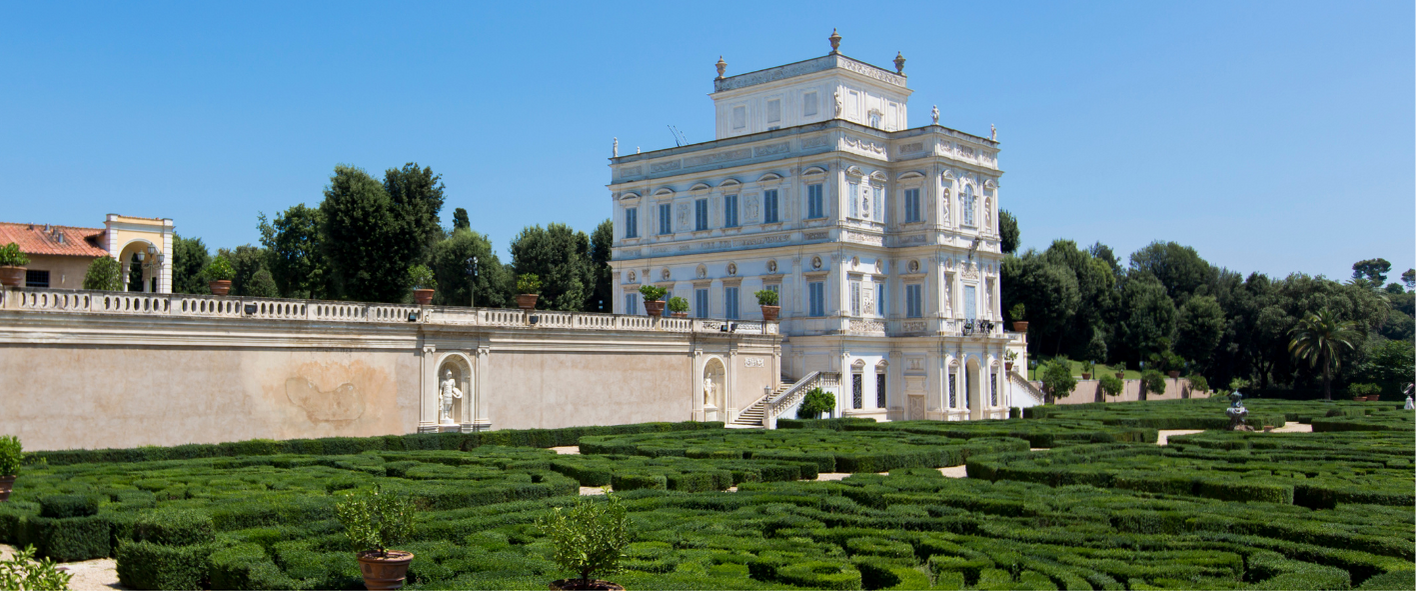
x: 64, y: 272
x: 535, y: 390
x: 1088, y: 391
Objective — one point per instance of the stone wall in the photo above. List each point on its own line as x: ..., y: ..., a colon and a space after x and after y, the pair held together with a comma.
x: 105, y: 370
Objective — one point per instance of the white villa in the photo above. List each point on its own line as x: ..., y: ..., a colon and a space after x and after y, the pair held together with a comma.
x: 880, y: 239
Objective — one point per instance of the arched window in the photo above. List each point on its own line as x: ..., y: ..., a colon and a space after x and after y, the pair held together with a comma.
x: 966, y: 205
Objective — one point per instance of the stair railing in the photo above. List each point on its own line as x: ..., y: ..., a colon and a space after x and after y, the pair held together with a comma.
x: 795, y: 393
x: 1027, y: 387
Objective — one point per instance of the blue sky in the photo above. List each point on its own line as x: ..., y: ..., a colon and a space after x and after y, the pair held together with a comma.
x: 1271, y: 136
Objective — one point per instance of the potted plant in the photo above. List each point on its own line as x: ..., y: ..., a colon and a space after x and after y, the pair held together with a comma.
x: 815, y: 403
x: 1087, y: 367
x: 589, y: 539
x: 653, y: 294
x: 11, y: 453
x: 767, y: 300
x: 374, y: 521
x: 1363, y: 391
x: 1010, y: 357
x: 1016, y: 313
x: 12, y: 265
x: 529, y: 286
x: 1121, y: 370
x: 423, y: 283
x: 678, y: 307
x: 219, y: 274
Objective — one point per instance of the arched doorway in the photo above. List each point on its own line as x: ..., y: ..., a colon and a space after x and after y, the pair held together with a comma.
x: 971, y: 389
x: 715, y: 381
x: 142, y: 261
x: 454, y: 392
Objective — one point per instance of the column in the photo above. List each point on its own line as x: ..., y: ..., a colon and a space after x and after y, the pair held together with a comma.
x: 427, y: 383
x: 481, y: 422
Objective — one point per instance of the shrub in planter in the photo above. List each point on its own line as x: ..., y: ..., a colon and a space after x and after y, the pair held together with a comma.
x: 373, y: 522
x: 219, y: 274
x: 11, y: 455
x: 1360, y: 391
x: 678, y: 307
x: 654, y: 305
x: 1016, y: 314
x: 528, y: 287
x: 12, y: 265
x: 423, y: 282
x: 24, y: 572
x: 104, y: 273
x: 815, y: 403
x: 767, y: 300
x: 589, y: 539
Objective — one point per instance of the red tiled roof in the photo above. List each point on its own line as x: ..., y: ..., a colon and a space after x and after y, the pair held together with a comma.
x: 33, y: 240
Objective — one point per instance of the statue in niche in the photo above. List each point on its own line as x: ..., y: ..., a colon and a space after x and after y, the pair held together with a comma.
x: 948, y: 284
x: 935, y: 114
x: 945, y: 202
x: 988, y: 217
x: 837, y: 95
x: 708, y: 391
x: 447, y: 392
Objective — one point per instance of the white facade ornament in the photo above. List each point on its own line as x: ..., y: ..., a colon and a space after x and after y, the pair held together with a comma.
x: 732, y: 269
x: 683, y: 215
x: 837, y: 95
x: 772, y: 266
x: 816, y: 262
x: 993, y: 133
x: 935, y: 114
x: 752, y: 208
x: 447, y: 392
x: 615, y: 147
x: 708, y: 391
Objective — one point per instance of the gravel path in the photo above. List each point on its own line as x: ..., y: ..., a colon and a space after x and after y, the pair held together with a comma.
x: 94, y: 574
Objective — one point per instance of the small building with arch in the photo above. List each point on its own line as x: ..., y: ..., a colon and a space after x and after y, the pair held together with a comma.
x: 59, y: 256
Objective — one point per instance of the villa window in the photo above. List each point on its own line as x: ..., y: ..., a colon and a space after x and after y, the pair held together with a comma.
x: 730, y: 211
x: 912, y: 301
x: 632, y: 304
x: 770, y: 206
x: 855, y: 298
x: 632, y: 226
x: 38, y: 278
x: 880, y: 299
x: 880, y: 388
x: 969, y: 303
x: 953, y: 403
x: 701, y: 303
x: 814, y: 201
x: 730, y: 303
x: 966, y: 205
x: 816, y: 296
x: 701, y: 214
x: 852, y: 190
x: 878, y: 204
x: 912, y: 205
x: 856, y: 388
x: 994, y: 389
x: 666, y: 220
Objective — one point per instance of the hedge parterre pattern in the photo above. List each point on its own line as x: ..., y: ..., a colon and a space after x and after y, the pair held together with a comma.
x: 260, y: 516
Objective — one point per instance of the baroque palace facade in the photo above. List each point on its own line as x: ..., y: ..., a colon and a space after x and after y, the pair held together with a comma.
x: 881, y: 240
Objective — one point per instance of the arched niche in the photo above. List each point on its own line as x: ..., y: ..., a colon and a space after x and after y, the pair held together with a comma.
x: 713, y: 390
x: 458, y: 368
x: 141, y: 261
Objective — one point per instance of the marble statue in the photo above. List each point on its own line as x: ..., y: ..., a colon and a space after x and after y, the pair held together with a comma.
x: 1408, y: 406
x: 993, y: 133
x: 837, y: 95
x: 708, y: 391
x: 615, y: 147
x: 447, y: 392
x: 935, y: 114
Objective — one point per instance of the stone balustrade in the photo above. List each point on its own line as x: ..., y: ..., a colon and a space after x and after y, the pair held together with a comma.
x: 243, y: 307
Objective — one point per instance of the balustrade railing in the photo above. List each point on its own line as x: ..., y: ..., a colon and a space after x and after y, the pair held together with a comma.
x: 794, y: 394
x: 207, y: 306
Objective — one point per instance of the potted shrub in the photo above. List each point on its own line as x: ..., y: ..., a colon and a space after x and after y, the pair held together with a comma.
x: 375, y: 521
x: 1152, y: 382
x: 1110, y: 385
x: 767, y: 300
x: 219, y: 274
x: 652, y: 294
x: 589, y: 539
x: 11, y: 453
x: 1363, y: 391
x: 1121, y: 370
x: 12, y: 265
x: 1010, y: 357
x: 1057, y: 378
x: 678, y: 307
x: 1016, y: 313
x: 529, y: 286
x: 815, y: 404
x: 423, y: 283
x: 1087, y: 367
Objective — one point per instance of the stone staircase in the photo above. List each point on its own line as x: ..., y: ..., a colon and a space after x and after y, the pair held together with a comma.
x: 752, y: 417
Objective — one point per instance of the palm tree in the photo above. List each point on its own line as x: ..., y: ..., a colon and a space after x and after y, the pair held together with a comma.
x: 1319, y: 338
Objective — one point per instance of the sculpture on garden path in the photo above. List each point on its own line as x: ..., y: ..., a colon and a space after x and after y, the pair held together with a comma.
x: 1238, y: 414
x: 447, y: 391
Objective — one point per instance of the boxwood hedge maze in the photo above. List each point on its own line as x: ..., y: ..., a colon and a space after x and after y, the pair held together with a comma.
x: 1065, y: 498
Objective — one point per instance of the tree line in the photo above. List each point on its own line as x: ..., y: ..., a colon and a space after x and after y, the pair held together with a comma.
x: 1166, y: 308
x: 367, y: 238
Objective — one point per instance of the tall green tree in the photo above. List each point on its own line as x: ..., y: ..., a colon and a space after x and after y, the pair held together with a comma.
x: 1049, y: 292
x: 1179, y: 268
x: 417, y: 195
x: 460, y: 220
x: 294, y: 258
x: 1008, y: 232
x: 1374, y: 270
x: 1147, y: 319
x: 559, y: 256
x: 1409, y: 278
x: 262, y: 285
x: 601, y: 241
x: 104, y: 273
x: 1200, y: 325
x: 365, y: 239
x: 1320, y: 339
x: 189, y: 256
x: 246, y: 260
x: 458, y: 285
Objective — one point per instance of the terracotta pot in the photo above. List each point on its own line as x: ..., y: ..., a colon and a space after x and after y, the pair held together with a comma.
x: 7, y: 483
x: 384, y: 573
x: 1374, y: 397
x: 526, y: 301
x: 654, y: 308
x: 12, y: 276
x: 423, y: 296
x: 1174, y: 373
x: 220, y: 287
x: 1087, y: 376
x: 770, y: 312
x: 579, y: 584
x: 1121, y: 375
x: 1359, y: 399
x: 679, y: 315
x: 1008, y: 366
x: 1021, y: 326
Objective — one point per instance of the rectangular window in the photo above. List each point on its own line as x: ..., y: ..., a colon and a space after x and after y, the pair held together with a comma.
x: 912, y: 301
x: 632, y: 304
x: 770, y: 206
x: 878, y: 204
x: 994, y: 389
x: 855, y: 298
x: 809, y: 103
x: 701, y: 214
x: 814, y: 201
x: 666, y: 220
x: 730, y: 303
x: 851, y: 196
x: 776, y: 289
x: 880, y: 300
x: 856, y: 388
x: 912, y: 205
x: 730, y: 211
x: 632, y: 222
x: 816, y: 295
x: 881, y: 390
x: 37, y: 278
x: 952, y: 391
x: 740, y: 117
x: 774, y: 111
x: 701, y: 303
x: 969, y: 303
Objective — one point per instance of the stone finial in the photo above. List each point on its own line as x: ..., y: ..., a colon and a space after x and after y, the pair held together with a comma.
x: 899, y: 63
x: 721, y: 65
x: 836, y: 41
